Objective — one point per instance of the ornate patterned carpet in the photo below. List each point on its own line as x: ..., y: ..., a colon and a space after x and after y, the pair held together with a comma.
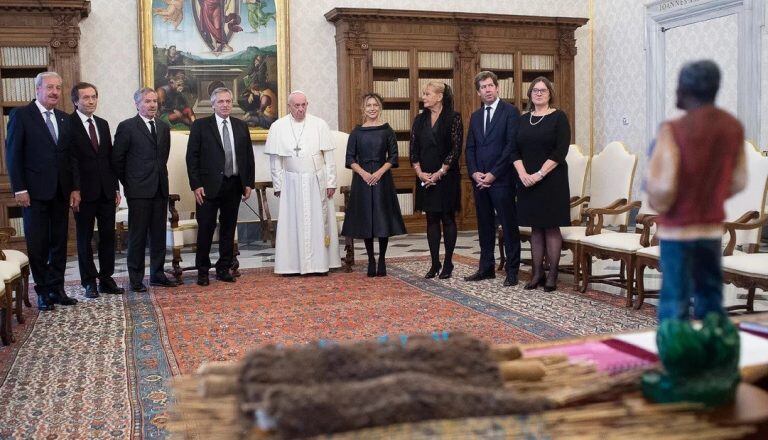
x: 102, y: 369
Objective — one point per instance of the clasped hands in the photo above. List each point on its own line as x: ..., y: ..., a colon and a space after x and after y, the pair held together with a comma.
x: 371, y: 178
x: 200, y: 194
x: 430, y: 179
x: 530, y: 179
x: 483, y: 180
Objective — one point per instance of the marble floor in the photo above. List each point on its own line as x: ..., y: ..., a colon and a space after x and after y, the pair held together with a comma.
x: 258, y: 254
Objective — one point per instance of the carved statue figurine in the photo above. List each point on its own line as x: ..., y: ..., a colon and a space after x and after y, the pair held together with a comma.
x: 704, y: 149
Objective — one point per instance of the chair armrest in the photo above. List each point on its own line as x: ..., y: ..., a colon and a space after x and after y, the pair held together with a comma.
x: 174, y: 214
x: 265, y: 217
x: 743, y: 223
x: 595, y: 216
x: 647, y: 220
x: 5, y: 235
x: 345, y: 191
x: 576, y: 201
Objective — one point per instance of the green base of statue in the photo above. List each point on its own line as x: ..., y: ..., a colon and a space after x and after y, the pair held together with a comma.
x: 700, y: 365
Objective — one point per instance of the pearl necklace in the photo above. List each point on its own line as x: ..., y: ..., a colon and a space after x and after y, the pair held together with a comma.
x: 530, y: 119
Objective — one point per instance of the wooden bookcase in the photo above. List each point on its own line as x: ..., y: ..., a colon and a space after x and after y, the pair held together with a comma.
x: 34, y: 37
x: 394, y: 53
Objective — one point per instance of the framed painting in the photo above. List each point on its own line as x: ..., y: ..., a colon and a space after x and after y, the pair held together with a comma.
x: 191, y: 47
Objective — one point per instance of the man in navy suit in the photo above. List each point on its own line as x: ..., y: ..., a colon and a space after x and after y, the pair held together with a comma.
x: 490, y: 142
x: 92, y: 175
x: 41, y: 179
x: 140, y: 158
x: 221, y: 168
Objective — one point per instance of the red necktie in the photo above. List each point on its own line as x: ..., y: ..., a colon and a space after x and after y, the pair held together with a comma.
x: 92, y: 134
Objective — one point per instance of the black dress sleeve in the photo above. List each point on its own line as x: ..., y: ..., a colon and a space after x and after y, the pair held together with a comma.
x: 563, y: 136
x: 391, y: 140
x: 415, y: 148
x: 351, y: 156
x: 456, y: 138
x: 516, y: 154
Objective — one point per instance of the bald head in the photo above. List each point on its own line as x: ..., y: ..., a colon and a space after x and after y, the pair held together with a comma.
x: 297, y: 105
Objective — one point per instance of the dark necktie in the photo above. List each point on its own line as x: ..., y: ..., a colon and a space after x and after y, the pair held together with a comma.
x: 152, y: 130
x: 49, y: 124
x: 92, y: 134
x: 487, y: 119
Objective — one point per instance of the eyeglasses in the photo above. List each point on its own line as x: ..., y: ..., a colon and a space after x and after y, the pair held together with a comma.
x: 539, y: 91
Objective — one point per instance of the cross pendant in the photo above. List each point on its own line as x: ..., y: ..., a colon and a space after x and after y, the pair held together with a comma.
x: 297, y: 149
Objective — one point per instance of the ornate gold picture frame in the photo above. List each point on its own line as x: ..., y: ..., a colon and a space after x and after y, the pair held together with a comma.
x: 190, y: 47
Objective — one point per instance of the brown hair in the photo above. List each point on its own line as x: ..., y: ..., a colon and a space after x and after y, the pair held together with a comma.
x: 368, y: 96
x: 549, y: 86
x: 482, y: 76
x: 75, y: 93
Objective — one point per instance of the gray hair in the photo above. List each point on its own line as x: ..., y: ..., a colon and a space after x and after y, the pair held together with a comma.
x: 218, y: 90
x: 40, y: 76
x: 138, y: 95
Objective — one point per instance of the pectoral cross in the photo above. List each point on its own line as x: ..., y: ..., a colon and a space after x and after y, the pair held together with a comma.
x: 297, y: 149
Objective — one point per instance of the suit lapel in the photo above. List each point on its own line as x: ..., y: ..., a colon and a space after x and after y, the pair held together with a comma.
x: 496, y: 117
x: 37, y: 116
x: 215, y: 131
x: 143, y: 128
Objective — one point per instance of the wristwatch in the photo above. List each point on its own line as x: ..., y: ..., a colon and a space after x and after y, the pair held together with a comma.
x: 540, y: 174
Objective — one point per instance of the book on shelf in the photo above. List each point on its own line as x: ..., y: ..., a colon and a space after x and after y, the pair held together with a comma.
x: 406, y: 203
x: 18, y: 89
x: 423, y: 82
x: 397, y: 59
x: 17, y: 223
x: 400, y: 120
x: 12, y: 56
x: 500, y: 61
x: 538, y: 62
x: 435, y: 60
x: 403, y: 148
x: 398, y: 88
x: 507, y: 88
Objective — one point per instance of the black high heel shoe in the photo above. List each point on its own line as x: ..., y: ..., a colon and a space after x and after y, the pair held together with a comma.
x: 446, y: 272
x: 371, y: 268
x: 382, y: 269
x: 432, y: 271
x: 530, y: 285
x: 550, y: 287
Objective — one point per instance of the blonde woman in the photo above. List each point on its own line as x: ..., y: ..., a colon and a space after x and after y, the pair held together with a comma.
x: 373, y: 211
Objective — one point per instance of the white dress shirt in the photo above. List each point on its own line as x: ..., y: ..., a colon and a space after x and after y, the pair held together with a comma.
x: 493, y: 110
x: 220, y: 126
x: 85, y: 119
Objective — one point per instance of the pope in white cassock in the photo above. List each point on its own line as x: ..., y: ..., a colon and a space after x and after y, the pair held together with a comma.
x: 304, y: 178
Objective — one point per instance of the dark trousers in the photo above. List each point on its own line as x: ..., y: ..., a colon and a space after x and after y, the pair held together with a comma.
x: 226, y: 204
x: 45, y: 229
x: 497, y: 202
x: 146, y: 216
x: 102, y: 213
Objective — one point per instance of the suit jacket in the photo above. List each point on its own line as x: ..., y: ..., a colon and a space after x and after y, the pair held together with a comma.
x: 37, y: 163
x: 492, y: 151
x: 92, y: 172
x: 205, y: 155
x: 139, y: 161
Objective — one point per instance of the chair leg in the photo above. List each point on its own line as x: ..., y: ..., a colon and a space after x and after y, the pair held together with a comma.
x: 176, y: 264
x: 235, y: 262
x: 639, y: 276
x: 622, y: 270
x: 19, y: 286
x: 585, y: 260
x: 6, y: 333
x: 630, y: 280
x: 25, y: 288
x: 349, y: 256
x: 751, y: 299
x: 502, y: 255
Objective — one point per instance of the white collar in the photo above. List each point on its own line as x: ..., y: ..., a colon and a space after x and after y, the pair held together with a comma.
x: 85, y: 118
x: 146, y: 121
x: 494, y: 105
x: 219, y: 120
x: 43, y: 109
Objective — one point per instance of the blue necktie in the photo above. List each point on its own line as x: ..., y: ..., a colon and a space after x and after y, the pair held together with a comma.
x: 49, y: 123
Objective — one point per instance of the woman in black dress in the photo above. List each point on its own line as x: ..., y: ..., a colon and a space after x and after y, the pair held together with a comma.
x: 373, y: 210
x: 542, y: 143
x: 436, y: 138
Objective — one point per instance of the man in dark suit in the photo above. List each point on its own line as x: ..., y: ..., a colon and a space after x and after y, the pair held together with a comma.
x: 221, y: 170
x: 490, y: 142
x: 41, y: 179
x: 92, y: 175
x: 140, y: 157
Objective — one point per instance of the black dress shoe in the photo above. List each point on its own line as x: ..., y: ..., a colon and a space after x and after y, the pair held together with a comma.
x: 479, y: 276
x: 534, y: 283
x: 432, y: 271
x: 225, y: 276
x: 381, y: 271
x: 549, y: 287
x: 164, y: 282
x: 510, y: 280
x: 43, y: 304
x: 91, y: 291
x: 61, y: 298
x: 371, y: 268
x: 202, y: 279
x: 108, y: 285
x: 446, y: 272
x: 138, y: 287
